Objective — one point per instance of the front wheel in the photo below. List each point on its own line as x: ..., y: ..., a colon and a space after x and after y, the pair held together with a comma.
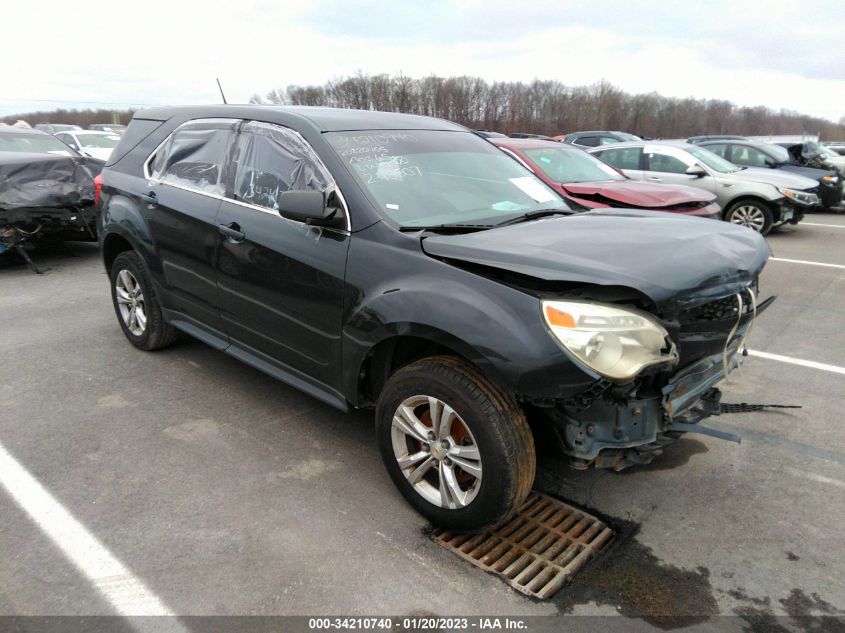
x: 754, y: 214
x: 457, y: 447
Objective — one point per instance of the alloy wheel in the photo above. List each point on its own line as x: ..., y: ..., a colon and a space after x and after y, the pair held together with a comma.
x: 130, y: 302
x: 750, y: 216
x: 436, y: 452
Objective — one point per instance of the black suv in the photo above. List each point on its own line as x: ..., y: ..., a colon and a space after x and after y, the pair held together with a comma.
x: 403, y: 263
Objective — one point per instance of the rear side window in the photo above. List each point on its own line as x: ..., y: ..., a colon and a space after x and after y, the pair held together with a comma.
x: 194, y: 157
x: 589, y: 141
x: 744, y: 155
x: 665, y: 163
x: 623, y: 157
x: 720, y: 149
x: 272, y: 159
x: 138, y: 130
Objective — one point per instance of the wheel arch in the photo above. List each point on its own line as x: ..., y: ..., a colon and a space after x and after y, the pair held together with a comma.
x: 113, y: 245
x: 747, y: 197
x: 407, y: 343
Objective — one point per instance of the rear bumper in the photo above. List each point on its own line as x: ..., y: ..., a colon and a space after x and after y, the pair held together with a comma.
x: 48, y: 220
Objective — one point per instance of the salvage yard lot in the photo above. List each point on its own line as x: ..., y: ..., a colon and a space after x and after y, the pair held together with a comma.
x: 226, y: 492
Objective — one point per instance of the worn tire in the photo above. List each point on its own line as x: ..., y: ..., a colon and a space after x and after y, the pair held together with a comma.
x: 494, y: 419
x: 735, y: 210
x: 157, y: 333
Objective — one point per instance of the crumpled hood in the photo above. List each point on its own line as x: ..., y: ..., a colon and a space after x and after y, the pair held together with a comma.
x: 776, y: 177
x: 638, y: 193
x: 675, y: 261
x: 46, y: 180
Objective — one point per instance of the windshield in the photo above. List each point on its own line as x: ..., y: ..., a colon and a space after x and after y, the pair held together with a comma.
x: 37, y: 143
x: 422, y: 178
x: 108, y: 141
x: 567, y: 165
x: 713, y: 161
x: 64, y: 127
x: 813, y: 149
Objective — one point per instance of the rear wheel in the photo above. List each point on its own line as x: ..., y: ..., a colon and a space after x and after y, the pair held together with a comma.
x: 457, y: 447
x: 754, y: 214
x: 136, y: 304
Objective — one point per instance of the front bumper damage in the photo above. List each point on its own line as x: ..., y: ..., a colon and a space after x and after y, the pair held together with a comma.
x: 616, y: 427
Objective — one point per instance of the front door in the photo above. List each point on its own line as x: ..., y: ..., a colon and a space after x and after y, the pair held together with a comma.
x: 668, y: 166
x: 281, y: 282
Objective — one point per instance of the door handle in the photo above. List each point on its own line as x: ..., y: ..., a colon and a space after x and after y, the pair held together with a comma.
x: 654, y: 178
x: 232, y: 231
x: 149, y: 197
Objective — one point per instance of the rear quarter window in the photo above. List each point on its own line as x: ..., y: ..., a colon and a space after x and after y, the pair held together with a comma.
x: 138, y: 130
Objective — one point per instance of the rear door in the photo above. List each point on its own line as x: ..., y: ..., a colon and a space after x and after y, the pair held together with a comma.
x: 186, y: 183
x: 281, y: 281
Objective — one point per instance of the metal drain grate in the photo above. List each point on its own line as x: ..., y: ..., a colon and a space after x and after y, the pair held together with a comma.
x: 538, y: 549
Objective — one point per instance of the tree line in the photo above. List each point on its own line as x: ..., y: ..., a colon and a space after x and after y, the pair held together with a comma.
x: 550, y: 107
x: 82, y: 118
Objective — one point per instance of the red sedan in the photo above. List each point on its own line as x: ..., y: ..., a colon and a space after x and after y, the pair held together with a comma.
x: 588, y: 183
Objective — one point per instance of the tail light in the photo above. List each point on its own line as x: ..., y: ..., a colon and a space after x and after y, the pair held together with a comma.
x: 98, y: 187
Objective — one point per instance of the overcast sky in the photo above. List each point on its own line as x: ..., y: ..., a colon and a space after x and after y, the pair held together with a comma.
x: 83, y: 54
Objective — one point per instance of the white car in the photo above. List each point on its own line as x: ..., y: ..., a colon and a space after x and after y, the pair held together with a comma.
x: 90, y: 143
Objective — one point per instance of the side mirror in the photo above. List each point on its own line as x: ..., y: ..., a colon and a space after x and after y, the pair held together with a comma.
x: 771, y: 162
x: 696, y: 170
x: 308, y: 206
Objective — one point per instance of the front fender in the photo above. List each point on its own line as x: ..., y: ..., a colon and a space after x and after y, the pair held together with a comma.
x: 401, y: 291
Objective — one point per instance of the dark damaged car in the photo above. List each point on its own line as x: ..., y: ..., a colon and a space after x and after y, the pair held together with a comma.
x: 404, y: 264
x: 46, y: 191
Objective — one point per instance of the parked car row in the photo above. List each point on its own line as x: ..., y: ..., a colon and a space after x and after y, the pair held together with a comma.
x: 756, y: 198
x: 587, y: 183
x: 404, y: 264
x: 53, y: 128
x: 731, y: 168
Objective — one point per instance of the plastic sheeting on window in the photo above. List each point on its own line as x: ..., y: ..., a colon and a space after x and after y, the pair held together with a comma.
x: 195, y: 158
x: 273, y: 159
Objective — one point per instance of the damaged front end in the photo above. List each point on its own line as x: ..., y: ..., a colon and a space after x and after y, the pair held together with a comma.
x: 43, y: 195
x: 612, y: 425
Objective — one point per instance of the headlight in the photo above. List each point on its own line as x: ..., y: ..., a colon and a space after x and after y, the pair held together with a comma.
x: 614, y: 342
x: 801, y: 197
x: 831, y: 180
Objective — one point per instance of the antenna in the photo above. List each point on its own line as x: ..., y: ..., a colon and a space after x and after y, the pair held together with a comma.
x: 221, y: 91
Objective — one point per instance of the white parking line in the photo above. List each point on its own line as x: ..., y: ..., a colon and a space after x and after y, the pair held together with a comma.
x: 124, y: 591
x: 798, y: 361
x: 803, y: 261
x: 832, y: 226
x: 817, y: 478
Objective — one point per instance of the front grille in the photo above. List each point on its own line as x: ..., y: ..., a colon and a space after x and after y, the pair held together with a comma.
x: 724, y: 309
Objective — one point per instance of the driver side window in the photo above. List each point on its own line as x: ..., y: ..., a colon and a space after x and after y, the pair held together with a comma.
x: 271, y: 159
x: 665, y: 163
x: 742, y: 155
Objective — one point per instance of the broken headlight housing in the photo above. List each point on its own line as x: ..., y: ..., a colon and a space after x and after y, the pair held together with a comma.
x: 801, y: 197
x: 615, y: 342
